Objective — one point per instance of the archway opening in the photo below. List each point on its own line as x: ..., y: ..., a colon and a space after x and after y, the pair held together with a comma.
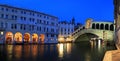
x: 93, y: 26
x: 97, y: 26
x: 26, y: 38
x: 42, y: 38
x: 35, y: 38
x: 106, y: 27
x: 111, y: 27
x: 102, y: 26
x: 86, y: 37
x: 9, y: 38
x: 18, y: 37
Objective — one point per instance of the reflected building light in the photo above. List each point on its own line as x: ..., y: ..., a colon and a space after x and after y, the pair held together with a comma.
x: 34, y: 50
x: 92, y: 44
x: 51, y: 48
x: 87, y: 57
x: 60, y: 50
x: 27, y: 50
x: 41, y: 50
x: 9, y: 51
x: 68, y: 48
x: 99, y: 44
x: 18, y: 51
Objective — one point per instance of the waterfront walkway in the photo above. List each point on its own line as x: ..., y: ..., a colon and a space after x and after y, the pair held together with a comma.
x: 113, y: 55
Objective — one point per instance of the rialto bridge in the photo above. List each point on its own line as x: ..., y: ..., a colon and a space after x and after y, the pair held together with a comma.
x: 92, y: 29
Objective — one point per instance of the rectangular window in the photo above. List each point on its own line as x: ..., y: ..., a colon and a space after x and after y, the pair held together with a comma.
x: 47, y: 23
x: 21, y: 26
x: 12, y: 16
x: 12, y: 10
x: 44, y: 16
x: 15, y: 26
x: 52, y: 35
x: 24, y: 12
x: 6, y: 9
x: 40, y: 21
x: 21, y: 18
x: 33, y: 14
x: 44, y: 29
x: 30, y: 27
x: 40, y: 28
x: 2, y: 9
x: 15, y: 17
x: 40, y: 15
x: 6, y: 17
x: 33, y: 20
x: 11, y: 26
x: 6, y: 25
x: 44, y: 22
x: 21, y: 12
x: 47, y: 29
x: 24, y: 27
x: 24, y: 18
x: 2, y: 15
x: 1, y: 24
x: 47, y: 17
x: 15, y: 11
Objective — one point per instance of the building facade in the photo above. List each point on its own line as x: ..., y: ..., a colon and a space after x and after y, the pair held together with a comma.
x: 65, y: 31
x: 18, y: 25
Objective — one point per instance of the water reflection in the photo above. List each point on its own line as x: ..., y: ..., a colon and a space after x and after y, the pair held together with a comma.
x: 9, y: 49
x: 53, y: 52
x: 87, y: 57
x: 69, y: 47
x: 41, y: 50
x: 60, y: 50
x: 34, y: 50
x: 17, y: 51
x: 26, y: 51
x: 64, y: 49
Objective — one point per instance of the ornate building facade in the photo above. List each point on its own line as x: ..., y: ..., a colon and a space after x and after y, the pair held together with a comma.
x: 18, y: 25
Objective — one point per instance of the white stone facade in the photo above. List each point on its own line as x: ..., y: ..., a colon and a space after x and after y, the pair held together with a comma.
x: 65, y: 30
x: 28, y: 24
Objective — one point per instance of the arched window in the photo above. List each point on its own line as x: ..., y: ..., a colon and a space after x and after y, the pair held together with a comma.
x: 106, y: 27
x: 102, y: 26
x: 93, y: 26
x: 97, y: 26
x: 111, y: 27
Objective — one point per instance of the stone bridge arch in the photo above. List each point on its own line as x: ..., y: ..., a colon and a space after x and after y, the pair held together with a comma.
x: 86, y: 37
x: 108, y: 35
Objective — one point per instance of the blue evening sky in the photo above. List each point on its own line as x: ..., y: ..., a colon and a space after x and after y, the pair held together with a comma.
x: 66, y: 9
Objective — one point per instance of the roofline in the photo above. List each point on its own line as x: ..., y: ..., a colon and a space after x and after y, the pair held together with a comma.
x: 27, y: 10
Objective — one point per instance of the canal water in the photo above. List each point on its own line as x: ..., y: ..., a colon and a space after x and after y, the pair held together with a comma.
x: 83, y: 51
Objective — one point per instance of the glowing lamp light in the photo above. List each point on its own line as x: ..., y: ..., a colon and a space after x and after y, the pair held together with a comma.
x: 1, y: 33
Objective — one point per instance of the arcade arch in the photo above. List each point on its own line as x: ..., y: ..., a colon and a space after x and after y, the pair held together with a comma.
x: 34, y: 38
x: 9, y: 38
x: 26, y: 37
x: 18, y: 37
x: 42, y: 38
